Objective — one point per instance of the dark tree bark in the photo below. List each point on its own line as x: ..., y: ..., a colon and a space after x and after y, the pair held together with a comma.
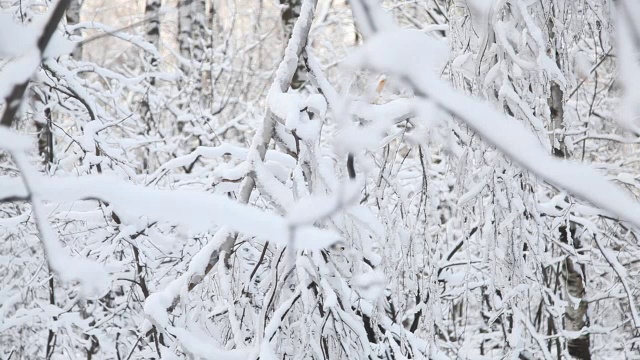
x: 575, y: 318
x: 14, y: 99
x: 152, y: 28
x: 290, y: 13
x: 185, y: 19
x: 73, y: 17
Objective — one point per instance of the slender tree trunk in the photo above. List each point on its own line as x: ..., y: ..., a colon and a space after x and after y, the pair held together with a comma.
x: 192, y: 19
x: 558, y: 147
x: 217, y: 32
x: 184, y: 29
x: 51, y: 337
x: 575, y: 317
x: 289, y: 16
x: 556, y: 98
x: 198, y: 30
x: 198, y: 37
x: 290, y: 13
x: 42, y: 122
x: 152, y: 34
x: 73, y: 17
x: 152, y: 28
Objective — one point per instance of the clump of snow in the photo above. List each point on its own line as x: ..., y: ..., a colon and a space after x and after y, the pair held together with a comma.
x: 370, y: 285
x: 316, y: 104
x: 401, y: 51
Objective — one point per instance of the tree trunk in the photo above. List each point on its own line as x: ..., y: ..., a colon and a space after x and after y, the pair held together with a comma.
x: 198, y: 37
x: 152, y: 28
x: 575, y: 317
x: 73, y: 17
x: 555, y: 101
x: 192, y: 17
x: 184, y: 28
x: 290, y: 14
x: 152, y: 34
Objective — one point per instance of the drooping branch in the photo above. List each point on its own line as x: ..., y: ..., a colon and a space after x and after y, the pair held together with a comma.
x: 507, y: 135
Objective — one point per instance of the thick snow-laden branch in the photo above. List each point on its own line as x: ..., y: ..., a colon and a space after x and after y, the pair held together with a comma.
x: 281, y: 83
x: 22, y: 69
x: 406, y: 53
x: 92, y: 276
x: 194, y: 210
x: 281, y: 104
x: 210, y: 152
x: 297, y: 42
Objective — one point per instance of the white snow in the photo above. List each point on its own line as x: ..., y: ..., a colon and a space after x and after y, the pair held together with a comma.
x: 404, y: 53
x: 194, y: 210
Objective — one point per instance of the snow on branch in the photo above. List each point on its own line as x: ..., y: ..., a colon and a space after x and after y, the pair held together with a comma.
x: 407, y: 53
x: 92, y: 276
x: 157, y: 304
x: 194, y: 210
x: 22, y: 69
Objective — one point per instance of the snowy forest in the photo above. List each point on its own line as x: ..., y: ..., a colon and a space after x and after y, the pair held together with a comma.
x: 319, y: 179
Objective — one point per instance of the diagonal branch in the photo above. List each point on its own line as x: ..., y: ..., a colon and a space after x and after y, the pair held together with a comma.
x: 14, y: 99
x: 506, y: 134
